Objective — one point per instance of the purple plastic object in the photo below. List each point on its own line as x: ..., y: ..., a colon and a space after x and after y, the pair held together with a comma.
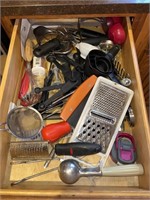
x: 124, y: 150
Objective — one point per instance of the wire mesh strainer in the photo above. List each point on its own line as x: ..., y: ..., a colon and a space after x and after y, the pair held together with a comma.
x: 24, y: 122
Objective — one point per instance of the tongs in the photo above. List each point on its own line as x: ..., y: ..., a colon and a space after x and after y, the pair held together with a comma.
x: 65, y: 88
x: 72, y: 80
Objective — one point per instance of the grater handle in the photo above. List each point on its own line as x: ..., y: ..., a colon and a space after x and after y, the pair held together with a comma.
x: 123, y: 170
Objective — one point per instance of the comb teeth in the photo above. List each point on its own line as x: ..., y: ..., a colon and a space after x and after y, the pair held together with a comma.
x: 103, y: 115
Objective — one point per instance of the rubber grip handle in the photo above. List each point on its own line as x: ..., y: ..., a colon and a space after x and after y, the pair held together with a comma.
x: 92, y: 34
x: 95, y: 41
x: 45, y: 48
x: 113, y: 52
x: 77, y: 149
x: 123, y: 170
x: 53, y: 132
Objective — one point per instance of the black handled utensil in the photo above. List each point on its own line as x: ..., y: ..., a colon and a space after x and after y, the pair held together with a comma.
x: 44, y: 49
x: 67, y: 87
x: 77, y: 149
x: 92, y: 34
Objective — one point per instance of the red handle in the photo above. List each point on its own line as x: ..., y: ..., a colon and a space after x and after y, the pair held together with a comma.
x: 24, y: 85
x: 53, y: 132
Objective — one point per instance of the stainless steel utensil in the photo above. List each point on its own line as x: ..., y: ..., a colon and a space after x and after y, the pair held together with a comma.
x: 30, y: 150
x: 70, y: 171
x: 24, y: 122
x: 106, y: 45
x: 126, y: 82
x: 33, y: 176
x: 122, y: 74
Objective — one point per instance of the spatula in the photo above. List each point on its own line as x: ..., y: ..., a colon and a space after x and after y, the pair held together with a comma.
x: 77, y: 97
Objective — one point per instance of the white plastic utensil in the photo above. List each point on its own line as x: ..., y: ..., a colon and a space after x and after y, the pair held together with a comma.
x: 85, y: 48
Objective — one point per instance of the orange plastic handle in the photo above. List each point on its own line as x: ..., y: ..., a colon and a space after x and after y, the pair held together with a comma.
x: 77, y: 97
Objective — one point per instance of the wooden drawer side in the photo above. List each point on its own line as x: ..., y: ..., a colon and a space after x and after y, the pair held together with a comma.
x: 141, y: 129
x: 9, y: 91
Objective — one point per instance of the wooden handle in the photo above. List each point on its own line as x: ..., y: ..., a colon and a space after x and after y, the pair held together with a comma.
x: 29, y: 50
x: 77, y: 97
x: 123, y: 170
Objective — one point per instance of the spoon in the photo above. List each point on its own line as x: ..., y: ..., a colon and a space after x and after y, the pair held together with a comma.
x: 70, y: 171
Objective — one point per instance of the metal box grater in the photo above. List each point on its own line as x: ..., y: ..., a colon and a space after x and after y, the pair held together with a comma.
x: 103, y: 115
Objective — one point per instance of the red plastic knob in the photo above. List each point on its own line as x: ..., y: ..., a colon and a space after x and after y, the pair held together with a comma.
x: 117, y: 34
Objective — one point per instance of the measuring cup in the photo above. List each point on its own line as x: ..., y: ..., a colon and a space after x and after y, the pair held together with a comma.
x: 101, y: 64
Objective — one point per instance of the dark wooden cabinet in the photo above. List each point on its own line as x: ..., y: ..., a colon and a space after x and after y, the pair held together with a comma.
x: 141, y: 37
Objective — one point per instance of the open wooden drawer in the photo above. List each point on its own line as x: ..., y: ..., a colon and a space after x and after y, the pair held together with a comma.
x: 50, y: 185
